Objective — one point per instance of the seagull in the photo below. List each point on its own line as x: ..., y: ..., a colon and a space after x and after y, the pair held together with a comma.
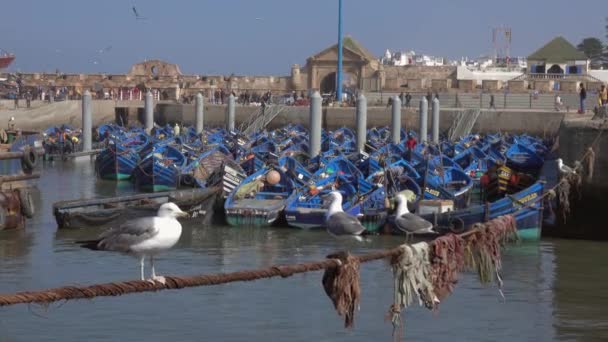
x: 563, y: 168
x: 407, y: 222
x: 137, y: 16
x: 147, y: 236
x: 337, y: 222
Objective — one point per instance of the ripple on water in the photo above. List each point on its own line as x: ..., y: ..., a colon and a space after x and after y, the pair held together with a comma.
x: 554, y: 290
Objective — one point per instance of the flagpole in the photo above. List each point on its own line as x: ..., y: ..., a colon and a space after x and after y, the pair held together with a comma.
x: 339, y: 68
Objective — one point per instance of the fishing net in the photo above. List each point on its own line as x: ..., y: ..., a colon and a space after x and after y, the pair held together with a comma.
x: 483, y: 248
x: 412, y: 274
x: 447, y: 258
x: 341, y: 285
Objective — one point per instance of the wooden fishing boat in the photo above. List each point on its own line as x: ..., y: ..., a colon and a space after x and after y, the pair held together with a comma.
x: 523, y: 158
x: 526, y: 206
x: 306, y: 210
x: 160, y: 170
x: 260, y: 199
x: 118, y: 160
x: 111, y: 212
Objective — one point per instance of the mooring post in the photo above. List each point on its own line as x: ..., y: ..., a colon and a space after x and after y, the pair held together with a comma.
x: 396, y: 120
x: 199, y: 103
x: 149, y: 108
x: 436, y: 120
x: 361, y: 122
x: 87, y: 122
x: 316, y: 113
x: 424, y: 112
x: 230, y: 113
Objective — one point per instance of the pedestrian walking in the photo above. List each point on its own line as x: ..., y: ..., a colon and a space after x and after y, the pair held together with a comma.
x: 582, y: 96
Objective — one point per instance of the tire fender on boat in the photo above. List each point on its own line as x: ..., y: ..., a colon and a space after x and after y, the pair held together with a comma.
x: 27, y: 202
x: 29, y: 160
x: 456, y: 225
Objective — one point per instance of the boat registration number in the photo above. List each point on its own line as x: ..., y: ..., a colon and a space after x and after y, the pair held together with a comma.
x: 529, y: 198
x: 432, y: 192
x: 504, y: 174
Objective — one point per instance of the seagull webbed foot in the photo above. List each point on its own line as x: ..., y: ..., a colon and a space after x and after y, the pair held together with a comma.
x: 159, y: 279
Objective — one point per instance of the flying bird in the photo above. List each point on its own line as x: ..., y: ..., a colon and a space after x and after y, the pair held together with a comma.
x: 137, y: 16
x: 337, y: 222
x: 147, y: 236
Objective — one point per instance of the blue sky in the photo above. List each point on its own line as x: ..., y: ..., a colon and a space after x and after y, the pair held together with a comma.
x: 223, y: 36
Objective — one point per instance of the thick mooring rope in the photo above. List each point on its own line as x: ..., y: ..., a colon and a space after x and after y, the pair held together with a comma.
x: 171, y: 282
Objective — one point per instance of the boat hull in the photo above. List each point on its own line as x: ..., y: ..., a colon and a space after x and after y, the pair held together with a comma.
x: 151, y: 175
x: 116, y: 166
x: 525, y: 205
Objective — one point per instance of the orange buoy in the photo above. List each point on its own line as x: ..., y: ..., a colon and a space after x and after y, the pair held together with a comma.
x: 273, y: 177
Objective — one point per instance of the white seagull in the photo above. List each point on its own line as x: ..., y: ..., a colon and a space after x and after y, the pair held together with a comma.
x: 337, y: 222
x: 563, y: 168
x: 147, y: 236
x: 407, y: 222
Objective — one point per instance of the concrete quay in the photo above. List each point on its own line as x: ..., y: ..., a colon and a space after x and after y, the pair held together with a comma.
x: 42, y: 115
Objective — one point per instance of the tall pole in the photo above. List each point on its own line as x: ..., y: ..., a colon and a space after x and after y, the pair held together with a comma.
x: 339, y: 71
x: 87, y: 121
x: 316, y: 113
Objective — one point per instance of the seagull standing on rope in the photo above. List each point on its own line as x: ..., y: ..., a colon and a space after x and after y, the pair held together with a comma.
x: 563, y: 168
x: 339, y: 223
x: 147, y: 236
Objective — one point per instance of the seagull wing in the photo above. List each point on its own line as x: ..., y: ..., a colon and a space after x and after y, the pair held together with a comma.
x: 343, y: 224
x: 128, y: 234
x: 412, y: 223
x: 135, y: 11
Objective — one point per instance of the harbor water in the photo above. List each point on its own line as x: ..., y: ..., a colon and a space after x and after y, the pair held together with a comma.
x: 555, y: 289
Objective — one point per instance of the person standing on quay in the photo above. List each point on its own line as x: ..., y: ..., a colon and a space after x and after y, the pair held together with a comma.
x: 582, y: 96
x: 408, y: 98
x: 603, y: 95
x: 492, y: 104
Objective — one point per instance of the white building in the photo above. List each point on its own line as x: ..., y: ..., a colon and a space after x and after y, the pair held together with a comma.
x: 411, y: 58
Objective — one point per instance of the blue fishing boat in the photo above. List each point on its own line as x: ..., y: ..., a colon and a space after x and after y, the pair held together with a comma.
x: 447, y: 183
x: 306, y: 210
x: 523, y: 158
x: 260, y: 199
x: 118, y: 160
x: 525, y: 204
x: 160, y: 170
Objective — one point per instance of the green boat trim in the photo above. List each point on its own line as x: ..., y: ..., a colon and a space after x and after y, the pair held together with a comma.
x: 117, y: 176
x: 529, y: 234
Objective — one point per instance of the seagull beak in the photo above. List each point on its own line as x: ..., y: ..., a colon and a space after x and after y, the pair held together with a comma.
x: 182, y: 214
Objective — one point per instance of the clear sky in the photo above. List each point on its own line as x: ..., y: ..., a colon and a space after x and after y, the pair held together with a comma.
x: 257, y: 37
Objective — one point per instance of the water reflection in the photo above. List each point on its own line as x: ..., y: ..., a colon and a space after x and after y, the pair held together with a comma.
x: 554, y: 290
x: 580, y: 291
